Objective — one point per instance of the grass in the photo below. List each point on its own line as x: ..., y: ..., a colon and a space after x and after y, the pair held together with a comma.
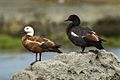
x: 9, y: 43
x: 112, y: 42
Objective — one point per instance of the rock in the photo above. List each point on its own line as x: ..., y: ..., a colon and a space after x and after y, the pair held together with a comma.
x: 96, y: 65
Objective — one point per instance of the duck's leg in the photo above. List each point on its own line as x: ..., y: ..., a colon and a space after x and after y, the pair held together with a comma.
x: 35, y: 59
x: 83, y: 48
x: 40, y: 56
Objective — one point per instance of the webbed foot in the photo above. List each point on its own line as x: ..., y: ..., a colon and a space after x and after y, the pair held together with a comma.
x: 33, y: 63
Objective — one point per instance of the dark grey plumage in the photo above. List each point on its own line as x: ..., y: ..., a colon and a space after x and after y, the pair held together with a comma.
x: 82, y: 36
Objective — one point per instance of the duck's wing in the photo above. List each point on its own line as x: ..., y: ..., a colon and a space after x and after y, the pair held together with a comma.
x: 86, y: 33
x: 93, y: 37
x: 35, y: 40
x: 49, y: 42
x: 44, y: 42
x: 79, y: 31
x: 51, y: 46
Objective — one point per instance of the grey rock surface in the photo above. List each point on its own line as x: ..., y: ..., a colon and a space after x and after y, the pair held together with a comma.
x: 97, y: 65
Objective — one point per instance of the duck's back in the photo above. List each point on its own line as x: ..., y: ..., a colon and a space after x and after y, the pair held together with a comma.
x: 38, y: 44
x: 75, y: 34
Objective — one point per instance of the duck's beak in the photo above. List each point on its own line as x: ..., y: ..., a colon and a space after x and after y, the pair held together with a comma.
x: 66, y: 20
x: 22, y: 32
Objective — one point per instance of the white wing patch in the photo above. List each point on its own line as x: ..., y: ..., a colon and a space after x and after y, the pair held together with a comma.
x: 83, y: 36
x: 40, y: 43
x: 93, y: 32
x: 73, y: 34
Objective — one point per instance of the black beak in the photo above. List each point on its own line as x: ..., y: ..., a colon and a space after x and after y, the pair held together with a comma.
x: 66, y: 20
x: 22, y: 32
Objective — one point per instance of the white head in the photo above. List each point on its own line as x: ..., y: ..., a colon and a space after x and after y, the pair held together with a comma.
x: 29, y: 30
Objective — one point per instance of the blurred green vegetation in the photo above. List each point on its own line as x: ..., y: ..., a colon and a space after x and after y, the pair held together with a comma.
x: 112, y: 42
x: 10, y: 43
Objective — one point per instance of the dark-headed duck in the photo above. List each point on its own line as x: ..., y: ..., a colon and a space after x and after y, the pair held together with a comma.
x: 82, y: 36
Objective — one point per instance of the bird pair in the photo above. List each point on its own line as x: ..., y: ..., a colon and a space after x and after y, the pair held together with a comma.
x: 78, y: 35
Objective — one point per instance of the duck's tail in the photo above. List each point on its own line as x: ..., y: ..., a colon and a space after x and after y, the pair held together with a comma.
x: 56, y: 48
x: 99, y: 46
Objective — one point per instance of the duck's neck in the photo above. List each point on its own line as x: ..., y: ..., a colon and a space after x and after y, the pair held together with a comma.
x: 30, y: 33
x: 24, y: 38
x: 70, y: 26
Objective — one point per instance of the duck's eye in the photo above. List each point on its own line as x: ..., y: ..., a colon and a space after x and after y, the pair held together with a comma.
x: 27, y: 28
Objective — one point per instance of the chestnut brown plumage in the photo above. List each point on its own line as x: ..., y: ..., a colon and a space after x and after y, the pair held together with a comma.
x: 37, y: 44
